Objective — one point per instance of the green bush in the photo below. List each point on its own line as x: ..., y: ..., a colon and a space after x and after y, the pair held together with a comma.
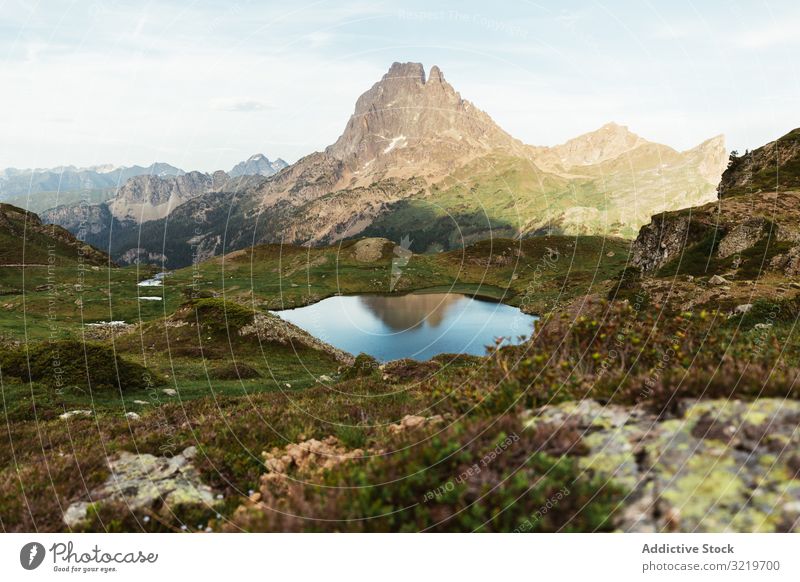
x: 70, y: 364
x: 363, y: 367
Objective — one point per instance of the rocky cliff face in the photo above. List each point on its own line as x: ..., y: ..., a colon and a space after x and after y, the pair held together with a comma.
x: 144, y: 198
x: 772, y: 167
x: 762, y: 226
x: 763, y: 229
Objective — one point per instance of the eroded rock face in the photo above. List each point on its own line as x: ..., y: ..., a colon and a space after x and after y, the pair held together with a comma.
x: 723, y: 466
x: 141, y: 480
x: 144, y: 198
x: 659, y: 242
x: 742, y: 237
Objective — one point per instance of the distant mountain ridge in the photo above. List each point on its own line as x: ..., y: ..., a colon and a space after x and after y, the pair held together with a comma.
x: 257, y: 165
x: 15, y: 182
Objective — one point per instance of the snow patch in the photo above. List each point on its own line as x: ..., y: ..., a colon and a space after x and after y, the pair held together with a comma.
x: 394, y: 143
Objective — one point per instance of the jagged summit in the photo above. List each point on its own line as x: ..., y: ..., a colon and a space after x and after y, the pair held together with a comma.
x: 407, y: 124
x: 257, y: 165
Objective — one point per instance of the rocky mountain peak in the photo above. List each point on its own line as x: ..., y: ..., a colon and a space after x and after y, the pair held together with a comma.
x: 257, y: 165
x: 406, y: 72
x: 406, y: 125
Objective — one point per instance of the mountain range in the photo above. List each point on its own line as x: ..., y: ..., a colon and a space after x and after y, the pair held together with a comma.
x: 15, y: 182
x: 415, y: 161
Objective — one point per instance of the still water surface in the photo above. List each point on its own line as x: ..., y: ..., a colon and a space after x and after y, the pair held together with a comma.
x: 417, y: 326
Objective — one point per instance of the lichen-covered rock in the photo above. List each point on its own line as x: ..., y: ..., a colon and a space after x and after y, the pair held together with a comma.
x: 723, y: 466
x: 140, y: 481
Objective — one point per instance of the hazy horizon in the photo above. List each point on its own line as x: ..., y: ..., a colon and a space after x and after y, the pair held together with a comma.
x: 207, y: 86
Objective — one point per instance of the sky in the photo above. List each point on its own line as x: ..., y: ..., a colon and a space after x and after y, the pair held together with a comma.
x: 205, y: 84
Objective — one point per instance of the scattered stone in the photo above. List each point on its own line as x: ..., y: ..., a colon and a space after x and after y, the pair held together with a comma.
x: 410, y: 422
x: 132, y: 416
x: 102, y: 330
x: 74, y: 413
x: 271, y: 328
x: 170, y: 391
x: 744, y: 308
x: 141, y: 402
x: 141, y: 481
x: 717, y: 280
x: 326, y: 379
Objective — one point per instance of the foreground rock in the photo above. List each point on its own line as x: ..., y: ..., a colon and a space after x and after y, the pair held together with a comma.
x: 723, y: 466
x: 140, y: 481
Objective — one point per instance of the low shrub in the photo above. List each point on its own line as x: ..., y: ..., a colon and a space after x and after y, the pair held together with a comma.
x: 473, y: 476
x: 234, y: 371
x: 629, y: 356
x: 71, y: 364
x: 363, y: 366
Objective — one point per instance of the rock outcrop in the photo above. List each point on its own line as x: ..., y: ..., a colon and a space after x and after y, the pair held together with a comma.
x: 660, y: 241
x: 772, y: 167
x: 141, y: 481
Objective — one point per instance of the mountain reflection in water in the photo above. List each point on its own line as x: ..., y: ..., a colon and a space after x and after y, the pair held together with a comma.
x: 418, y: 326
x: 411, y: 310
